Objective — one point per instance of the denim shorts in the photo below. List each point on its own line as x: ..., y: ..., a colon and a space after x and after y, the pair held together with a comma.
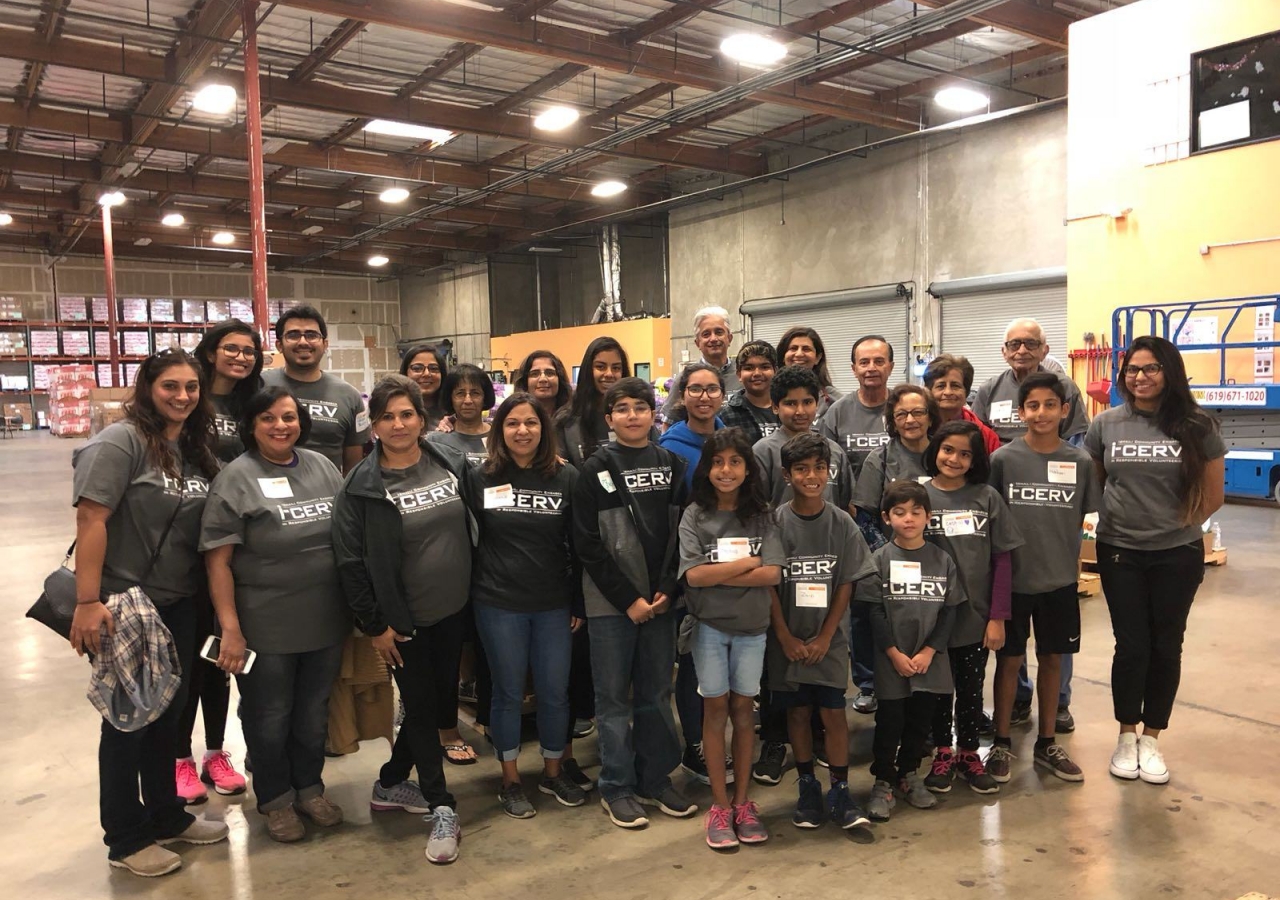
x: 727, y: 662
x: 814, y: 696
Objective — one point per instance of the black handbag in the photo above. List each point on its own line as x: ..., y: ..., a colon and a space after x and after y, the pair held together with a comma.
x: 56, y: 606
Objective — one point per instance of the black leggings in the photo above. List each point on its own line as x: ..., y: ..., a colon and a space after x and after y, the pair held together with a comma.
x: 901, y: 729
x: 1149, y: 594
x: 210, y: 688
x: 969, y: 672
x: 447, y: 711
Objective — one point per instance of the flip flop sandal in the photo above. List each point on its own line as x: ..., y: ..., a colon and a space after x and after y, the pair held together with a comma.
x: 460, y: 748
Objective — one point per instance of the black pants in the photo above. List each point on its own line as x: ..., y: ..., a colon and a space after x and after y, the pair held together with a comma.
x: 969, y: 672
x: 428, y: 679
x: 143, y: 760
x: 901, y: 729
x: 1149, y: 594
x: 210, y: 690
x: 447, y: 711
x: 582, y: 690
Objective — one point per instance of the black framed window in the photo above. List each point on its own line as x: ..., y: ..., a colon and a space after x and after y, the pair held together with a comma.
x: 1235, y: 94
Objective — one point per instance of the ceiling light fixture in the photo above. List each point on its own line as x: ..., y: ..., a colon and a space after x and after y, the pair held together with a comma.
x: 173, y: 219
x: 408, y: 130
x: 608, y: 189
x: 394, y: 195
x: 111, y: 198
x: 312, y: 229
x: 555, y: 118
x: 5, y: 219
x: 378, y: 261
x: 216, y: 99
x: 752, y: 49
x: 224, y: 238
x: 961, y: 99
x: 542, y: 248
x: 142, y: 242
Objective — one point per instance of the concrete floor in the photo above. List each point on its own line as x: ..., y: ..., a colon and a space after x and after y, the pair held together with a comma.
x: 1209, y: 833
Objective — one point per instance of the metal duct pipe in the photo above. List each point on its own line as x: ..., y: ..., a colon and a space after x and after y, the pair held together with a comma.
x: 1031, y: 278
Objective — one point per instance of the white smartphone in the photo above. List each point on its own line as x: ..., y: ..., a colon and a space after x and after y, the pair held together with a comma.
x: 213, y: 646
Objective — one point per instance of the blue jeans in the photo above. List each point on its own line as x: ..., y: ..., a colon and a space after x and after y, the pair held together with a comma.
x: 285, y: 716
x: 514, y: 642
x: 727, y: 662
x: 631, y: 665
x: 1026, y: 688
x: 862, y: 652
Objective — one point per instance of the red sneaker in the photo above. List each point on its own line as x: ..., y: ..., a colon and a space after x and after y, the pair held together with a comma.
x: 188, y: 782
x: 219, y: 772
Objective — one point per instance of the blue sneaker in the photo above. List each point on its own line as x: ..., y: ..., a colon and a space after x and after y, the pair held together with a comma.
x: 809, y: 812
x: 842, y: 810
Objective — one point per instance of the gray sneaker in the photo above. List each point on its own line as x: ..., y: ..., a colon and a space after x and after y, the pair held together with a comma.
x: 915, y: 793
x: 998, y: 760
x: 671, y: 802
x: 446, y: 834
x: 625, y: 812
x: 515, y: 803
x: 565, y: 791
x: 406, y: 796
x: 865, y: 702
x: 881, y: 802
x: 747, y: 824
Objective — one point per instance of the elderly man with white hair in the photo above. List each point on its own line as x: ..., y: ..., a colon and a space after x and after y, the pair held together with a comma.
x: 1024, y: 349
x: 712, y: 336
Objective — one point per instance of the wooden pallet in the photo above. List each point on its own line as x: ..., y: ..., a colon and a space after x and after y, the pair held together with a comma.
x: 1088, y: 584
x: 1216, y: 557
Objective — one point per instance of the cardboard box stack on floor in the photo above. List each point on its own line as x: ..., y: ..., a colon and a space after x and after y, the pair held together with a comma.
x: 106, y: 406
x: 69, y: 389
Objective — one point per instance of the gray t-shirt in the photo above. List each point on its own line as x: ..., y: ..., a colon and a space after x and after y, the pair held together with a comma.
x: 972, y: 524
x: 1144, y: 480
x: 857, y: 428
x: 703, y: 539
x: 823, y: 553
x: 435, y: 545
x: 769, y: 454
x: 890, y: 462
x: 338, y: 417
x: 228, y: 429
x: 913, y: 586
x: 1048, y: 496
x: 278, y: 519
x: 114, y: 469
x: 471, y: 445
x: 997, y: 405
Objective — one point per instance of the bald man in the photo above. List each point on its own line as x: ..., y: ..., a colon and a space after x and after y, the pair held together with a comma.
x: 1024, y: 349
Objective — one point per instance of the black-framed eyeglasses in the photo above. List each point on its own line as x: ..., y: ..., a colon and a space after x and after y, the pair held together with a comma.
x: 294, y: 336
x: 419, y: 368
x: 697, y: 390
x: 1029, y: 343
x: 1150, y: 370
x: 903, y: 414
x: 231, y: 351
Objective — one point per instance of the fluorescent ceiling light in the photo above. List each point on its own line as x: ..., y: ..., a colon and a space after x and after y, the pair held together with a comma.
x: 556, y: 118
x: 752, y: 49
x: 218, y: 99
x: 111, y: 198
x: 173, y: 220
x: 608, y: 189
x: 312, y: 229
x: 378, y: 261
x: 274, y: 145
x: 394, y: 195
x: 537, y: 249
x: 224, y: 238
x: 961, y: 99
x: 142, y: 242
x: 407, y: 130
x: 5, y: 219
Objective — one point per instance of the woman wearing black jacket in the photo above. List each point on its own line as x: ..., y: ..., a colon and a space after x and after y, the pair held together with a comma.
x: 402, y: 536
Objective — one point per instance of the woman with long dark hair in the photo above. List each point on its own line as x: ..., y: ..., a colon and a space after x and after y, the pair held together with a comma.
x: 802, y: 346
x: 139, y: 489
x: 426, y: 365
x: 1159, y: 459
x: 230, y: 355
x: 580, y: 426
x: 523, y: 590
x: 266, y: 533
x: 543, y: 375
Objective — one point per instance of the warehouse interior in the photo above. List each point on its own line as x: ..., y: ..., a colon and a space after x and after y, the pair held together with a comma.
x: 465, y: 171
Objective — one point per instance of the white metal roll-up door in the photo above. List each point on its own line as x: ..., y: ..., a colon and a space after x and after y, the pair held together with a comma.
x: 840, y: 318
x: 973, y: 322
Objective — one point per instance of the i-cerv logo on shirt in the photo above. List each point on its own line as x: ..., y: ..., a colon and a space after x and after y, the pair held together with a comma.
x: 808, y: 567
x: 644, y: 480
x: 930, y: 587
x: 865, y: 441
x: 226, y: 426
x: 192, y: 484
x: 938, y: 521
x: 1047, y: 494
x: 537, y: 501
x: 1157, y: 451
x: 424, y: 498
x: 295, y: 513
x: 326, y: 411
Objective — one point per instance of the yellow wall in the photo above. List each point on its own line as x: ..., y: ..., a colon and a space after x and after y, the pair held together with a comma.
x: 645, y: 340
x: 1118, y: 62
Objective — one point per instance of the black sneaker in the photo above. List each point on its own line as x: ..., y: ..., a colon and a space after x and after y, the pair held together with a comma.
x: 515, y: 803
x: 809, y: 810
x: 1021, y: 712
x: 570, y: 769
x: 565, y: 791
x: 941, y: 771
x: 694, y: 765
x: 842, y: 810
x: 768, y: 768
x: 671, y: 802
x: 625, y: 812
x: 986, y: 726
x: 583, y: 728
x: 467, y: 691
x: 1064, y: 722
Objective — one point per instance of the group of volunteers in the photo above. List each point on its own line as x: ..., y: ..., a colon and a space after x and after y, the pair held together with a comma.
x: 762, y: 538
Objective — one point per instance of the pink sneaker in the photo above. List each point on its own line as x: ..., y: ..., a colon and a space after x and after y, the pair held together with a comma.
x: 219, y: 772
x: 188, y: 781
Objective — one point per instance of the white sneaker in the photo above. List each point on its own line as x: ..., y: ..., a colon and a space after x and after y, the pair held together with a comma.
x: 1124, y: 762
x: 1151, y: 767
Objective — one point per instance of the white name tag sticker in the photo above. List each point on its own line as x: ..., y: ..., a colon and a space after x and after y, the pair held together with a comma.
x: 811, y: 596
x: 1062, y: 472
x: 1001, y: 410
x: 732, y: 549
x: 924, y: 479
x: 606, y: 482
x: 362, y: 421
x: 499, y: 496
x: 276, y: 488
x: 613, y: 437
x: 903, y: 571
x: 954, y: 524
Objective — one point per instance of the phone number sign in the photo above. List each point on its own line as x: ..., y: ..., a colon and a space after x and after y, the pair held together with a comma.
x: 1231, y: 396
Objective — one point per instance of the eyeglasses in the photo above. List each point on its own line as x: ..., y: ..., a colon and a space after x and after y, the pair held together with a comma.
x: 1029, y: 343
x: 233, y: 352
x: 533, y: 374
x: 1150, y: 370
x: 623, y: 410
x: 294, y: 336
x: 903, y: 414
x: 697, y: 390
x: 419, y: 368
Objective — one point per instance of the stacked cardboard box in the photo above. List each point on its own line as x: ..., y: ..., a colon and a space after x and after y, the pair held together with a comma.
x: 106, y: 406
x: 69, y: 390
x: 20, y: 411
